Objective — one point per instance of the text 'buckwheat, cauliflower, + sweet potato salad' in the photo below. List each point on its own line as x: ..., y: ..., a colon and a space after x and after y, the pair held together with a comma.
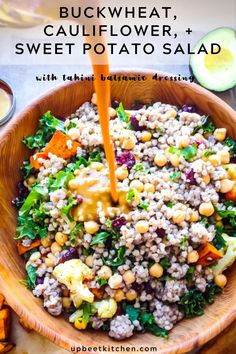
x: 159, y: 253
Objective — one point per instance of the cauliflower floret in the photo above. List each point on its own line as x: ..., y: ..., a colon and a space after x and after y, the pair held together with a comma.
x: 229, y: 257
x: 72, y: 274
x: 106, y: 308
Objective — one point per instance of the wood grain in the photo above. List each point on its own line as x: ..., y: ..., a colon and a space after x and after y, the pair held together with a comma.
x: 62, y: 101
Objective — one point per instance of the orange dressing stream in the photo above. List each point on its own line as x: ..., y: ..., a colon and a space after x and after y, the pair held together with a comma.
x: 102, y: 89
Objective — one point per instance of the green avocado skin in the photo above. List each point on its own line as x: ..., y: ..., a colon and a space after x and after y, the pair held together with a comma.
x: 223, y: 78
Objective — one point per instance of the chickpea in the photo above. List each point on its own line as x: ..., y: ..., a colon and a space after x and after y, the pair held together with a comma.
x: 30, y: 180
x: 129, y: 142
x: 136, y: 184
x: 199, y: 136
x: 220, y: 280
x: 35, y: 256
x: 179, y: 216
x: 94, y: 98
x: 98, y: 166
x: 122, y: 172
x: 160, y: 159
x: 131, y: 295
x: 145, y: 136
x: 184, y: 141
x: 220, y: 134
x: 66, y: 302
x: 171, y: 114
x: 55, y: 247
x: 206, y: 179
x: 215, y: 160
x: 119, y: 295
x: 142, y: 226
x: 129, y: 277
x: 73, y: 183
x: 50, y: 261
x: 89, y: 261
x: 156, y: 270
x: 225, y: 156
x: 112, y: 112
x: 206, y: 209
x: 149, y: 188
x: 61, y: 238
x: 115, y: 281
x: 193, y: 257
x: 104, y: 272
x: 194, y: 216
x: 91, y: 227
x: 74, y: 133
x: 174, y: 160
x: 46, y: 242
x: 226, y: 185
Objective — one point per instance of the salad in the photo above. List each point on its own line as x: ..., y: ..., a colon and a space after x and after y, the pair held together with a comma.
x: 156, y: 256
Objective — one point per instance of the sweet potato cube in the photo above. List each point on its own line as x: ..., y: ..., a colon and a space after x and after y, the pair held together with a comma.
x: 4, y: 323
x: 58, y: 145
x: 5, y: 347
x: 22, y: 249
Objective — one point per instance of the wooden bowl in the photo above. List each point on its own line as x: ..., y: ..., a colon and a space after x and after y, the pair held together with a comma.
x: 62, y: 101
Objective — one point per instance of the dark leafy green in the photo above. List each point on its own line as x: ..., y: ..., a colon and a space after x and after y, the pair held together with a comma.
x: 188, y: 152
x: 95, y: 156
x: 211, y: 291
x: 170, y: 204
x: 208, y: 153
x: 146, y: 320
x: 175, y: 175
x: 48, y: 125
x: 206, y: 126
x: 231, y: 144
x: 71, y: 201
x: 31, y: 277
x: 99, y: 238
x: 28, y: 228
x: 218, y: 241
x: 59, y: 180
x: 37, y: 194
x: 165, y: 262
x: 189, y: 274
x: 138, y: 167
x: 192, y: 303
x: 143, y: 205
x: 76, y: 232
x: 26, y: 169
x: 102, y: 281
x: 122, y: 114
x: 118, y: 260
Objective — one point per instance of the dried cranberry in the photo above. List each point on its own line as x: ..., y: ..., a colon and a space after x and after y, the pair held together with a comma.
x: 119, y: 310
x: 189, y: 109
x: 160, y: 232
x: 137, y: 287
x: 70, y: 254
x: 148, y: 288
x: 39, y: 280
x: 117, y: 223
x: 127, y: 158
x: 233, y: 159
x: 79, y: 199
x: 202, y: 142
x: 135, y: 124
x: 115, y: 104
x: 190, y: 177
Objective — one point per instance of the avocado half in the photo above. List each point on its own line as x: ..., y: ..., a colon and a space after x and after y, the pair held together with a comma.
x: 216, y: 71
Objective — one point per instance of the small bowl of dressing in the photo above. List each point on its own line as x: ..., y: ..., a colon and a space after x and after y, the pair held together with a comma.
x: 7, y: 102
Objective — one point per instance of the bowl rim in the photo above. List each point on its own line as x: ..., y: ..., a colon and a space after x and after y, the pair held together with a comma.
x: 193, y: 342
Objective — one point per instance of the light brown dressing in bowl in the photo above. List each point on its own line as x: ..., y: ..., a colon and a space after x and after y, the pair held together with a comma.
x: 5, y: 102
x: 94, y: 189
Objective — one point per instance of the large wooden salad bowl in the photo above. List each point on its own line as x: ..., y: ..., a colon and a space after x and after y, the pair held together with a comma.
x: 62, y: 101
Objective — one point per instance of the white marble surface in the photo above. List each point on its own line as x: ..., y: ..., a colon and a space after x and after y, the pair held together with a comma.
x: 25, y: 87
